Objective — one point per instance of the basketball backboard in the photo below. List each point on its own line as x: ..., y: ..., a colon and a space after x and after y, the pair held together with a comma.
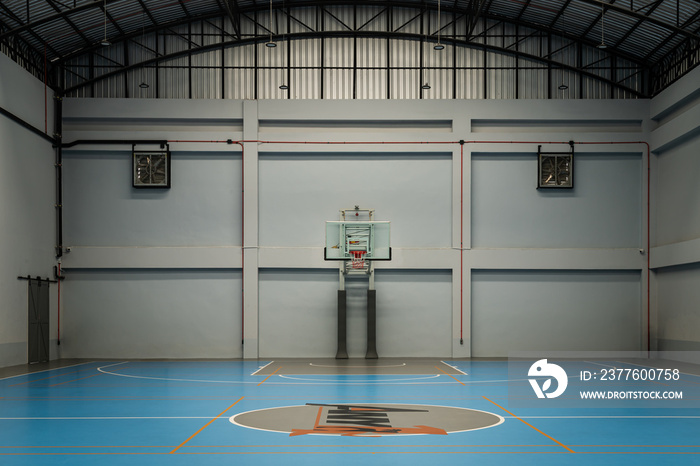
x: 344, y: 238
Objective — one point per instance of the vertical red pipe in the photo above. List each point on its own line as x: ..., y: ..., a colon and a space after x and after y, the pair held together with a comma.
x: 242, y: 243
x: 461, y: 243
x: 58, y: 319
x: 648, y: 247
x: 46, y: 103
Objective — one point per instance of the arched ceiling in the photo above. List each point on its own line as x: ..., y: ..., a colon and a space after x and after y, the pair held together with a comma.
x: 661, y: 37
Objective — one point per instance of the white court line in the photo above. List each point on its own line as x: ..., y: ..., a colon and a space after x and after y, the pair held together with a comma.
x: 455, y: 368
x: 261, y: 368
x: 393, y: 365
x: 388, y: 382
x: 605, y: 417
x: 48, y: 370
x: 342, y: 382
x: 100, y: 369
x: 128, y: 418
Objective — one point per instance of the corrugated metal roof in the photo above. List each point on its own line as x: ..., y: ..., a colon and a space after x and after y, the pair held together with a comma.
x: 642, y: 31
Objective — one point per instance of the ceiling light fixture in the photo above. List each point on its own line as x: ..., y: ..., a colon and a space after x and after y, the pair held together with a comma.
x: 563, y: 87
x: 269, y: 43
x: 425, y: 86
x: 284, y: 87
x: 144, y: 84
x: 104, y: 42
x: 602, y: 45
x: 439, y: 46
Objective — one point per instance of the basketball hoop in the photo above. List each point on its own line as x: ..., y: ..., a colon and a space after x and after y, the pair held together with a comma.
x: 358, y: 259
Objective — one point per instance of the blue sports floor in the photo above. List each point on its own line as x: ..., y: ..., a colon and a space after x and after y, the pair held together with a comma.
x: 194, y: 412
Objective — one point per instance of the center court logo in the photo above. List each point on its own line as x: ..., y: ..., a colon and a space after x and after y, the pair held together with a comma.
x: 541, y: 369
x: 366, y: 420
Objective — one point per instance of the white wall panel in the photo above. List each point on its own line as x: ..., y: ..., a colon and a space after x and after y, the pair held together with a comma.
x: 555, y: 311
x: 298, y: 314
x: 152, y: 314
x: 298, y: 193
x: 600, y: 211
x: 203, y: 207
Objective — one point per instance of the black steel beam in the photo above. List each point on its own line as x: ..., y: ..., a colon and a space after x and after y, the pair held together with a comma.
x: 637, y: 15
x: 26, y: 125
x: 70, y: 23
x: 358, y: 34
x: 637, y: 24
x: 12, y: 15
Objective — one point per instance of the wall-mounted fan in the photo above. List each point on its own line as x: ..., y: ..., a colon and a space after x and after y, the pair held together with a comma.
x: 555, y: 169
x: 151, y: 169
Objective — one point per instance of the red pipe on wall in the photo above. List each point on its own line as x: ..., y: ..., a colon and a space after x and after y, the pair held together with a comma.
x: 461, y: 239
x: 461, y: 243
x: 58, y: 318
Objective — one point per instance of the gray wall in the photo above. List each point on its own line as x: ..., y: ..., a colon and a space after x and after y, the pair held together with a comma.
x: 27, y: 190
x: 530, y: 310
x: 675, y: 257
x: 203, y: 207
x: 603, y: 210
x: 518, y: 242
x: 153, y: 313
x: 298, y: 315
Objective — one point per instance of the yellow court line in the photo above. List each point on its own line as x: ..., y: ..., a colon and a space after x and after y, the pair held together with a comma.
x: 205, y: 426
x: 270, y: 376
x: 527, y: 423
x: 436, y: 367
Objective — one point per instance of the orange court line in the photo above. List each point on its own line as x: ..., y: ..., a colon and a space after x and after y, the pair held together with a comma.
x: 318, y: 417
x: 205, y: 426
x: 74, y: 380
x: 270, y: 376
x: 332, y: 445
x: 365, y: 453
x: 527, y: 423
x: 45, y: 378
x: 436, y: 367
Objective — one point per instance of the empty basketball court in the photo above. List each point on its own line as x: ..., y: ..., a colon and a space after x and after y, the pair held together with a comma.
x: 349, y: 232
x: 210, y: 412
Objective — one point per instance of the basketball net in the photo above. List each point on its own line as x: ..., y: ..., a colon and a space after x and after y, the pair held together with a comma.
x: 358, y: 259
